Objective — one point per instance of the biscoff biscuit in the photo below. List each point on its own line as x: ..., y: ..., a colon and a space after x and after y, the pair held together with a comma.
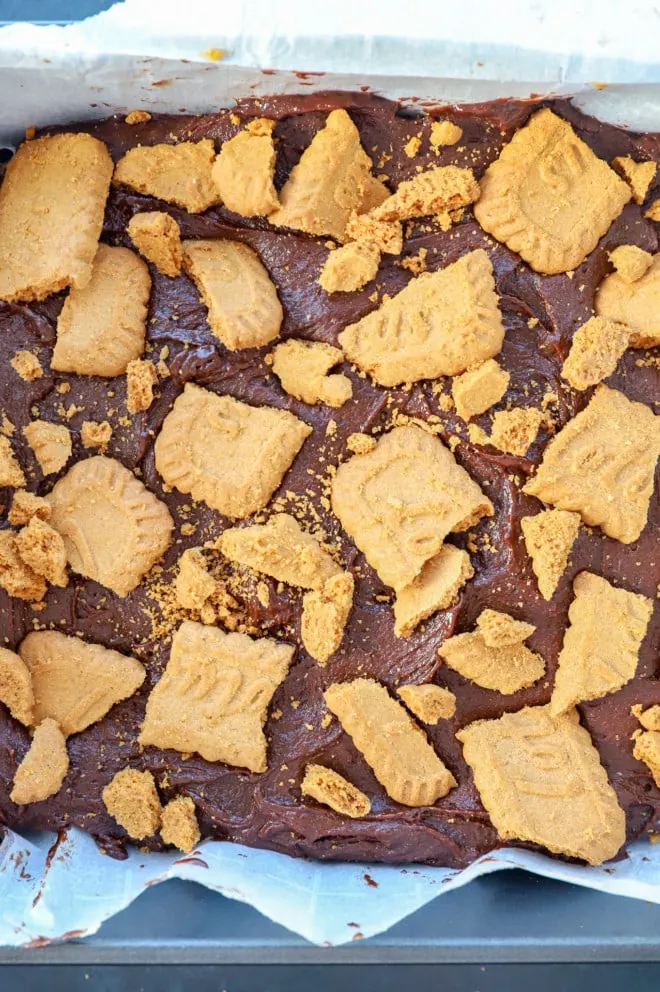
x: 384, y: 235
x: 113, y: 528
x: 476, y: 390
x: 179, y: 825
x: 324, y: 616
x: 26, y: 505
x: 75, y: 682
x: 42, y: 549
x: 501, y: 630
x: 638, y: 175
x: 595, y: 351
x: 44, y: 767
x: 27, y: 366
x: 515, y: 430
x: 631, y: 262
x: 549, y: 537
x: 51, y: 444
x: 11, y: 473
x: 633, y: 304
x: 435, y: 588
x: 505, y: 669
x: 302, y: 368
x: 332, y: 789
x: 444, y: 133
x: 16, y: 687
x: 140, y: 380
x: 649, y: 718
x: 436, y: 191
x: 349, y: 268
x: 52, y: 203
x: 17, y: 578
x: 96, y: 435
x: 180, y: 174
x: 647, y: 749
x: 132, y: 800
x: 157, y: 237
x: 429, y: 703
x: 243, y: 174
x: 194, y: 584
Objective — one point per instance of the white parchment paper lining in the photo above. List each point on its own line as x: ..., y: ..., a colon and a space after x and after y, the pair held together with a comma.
x: 143, y: 53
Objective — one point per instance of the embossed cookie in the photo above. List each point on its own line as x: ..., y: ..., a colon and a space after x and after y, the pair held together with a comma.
x: 596, y: 348
x: 74, y: 682
x: 441, y: 323
x: 180, y: 174
x: 302, y: 367
x: 429, y: 703
x: 156, y: 235
x: 436, y: 191
x: 213, y: 696
x: 435, y: 588
x: 504, y: 669
x: 477, y: 390
x: 549, y: 537
x: 392, y: 744
x: 638, y: 175
x: 601, y: 644
x: 332, y: 178
x: 324, y: 616
x: 114, y: 529
x: 16, y: 687
x: 52, y: 203
x: 548, y: 196
x: 635, y: 304
x: 16, y: 577
x: 132, y: 800
x: 501, y: 630
x: 281, y: 549
x: 244, y: 310
x: 349, y: 268
x: 229, y: 455
x: 399, y: 501
x: 179, y: 824
x: 333, y: 790
x: 602, y: 464
x: 243, y: 174
x: 42, y: 770
x: 51, y: 444
x: 101, y: 328
x: 541, y: 780
x: 11, y: 473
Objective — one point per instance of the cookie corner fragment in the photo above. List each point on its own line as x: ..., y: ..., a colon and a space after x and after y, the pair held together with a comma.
x: 44, y: 767
x: 332, y: 789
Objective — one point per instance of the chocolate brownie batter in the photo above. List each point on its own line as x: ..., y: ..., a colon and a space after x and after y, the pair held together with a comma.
x: 540, y: 314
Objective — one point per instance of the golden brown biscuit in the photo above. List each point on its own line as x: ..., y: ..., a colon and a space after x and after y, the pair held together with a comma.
x: 302, y: 368
x: 132, y: 800
x: 180, y: 174
x: 156, y: 235
x: 16, y: 687
x: 42, y: 770
x: 243, y: 174
x: 333, y: 790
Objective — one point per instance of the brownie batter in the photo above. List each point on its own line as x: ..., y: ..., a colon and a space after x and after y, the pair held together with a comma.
x: 540, y: 314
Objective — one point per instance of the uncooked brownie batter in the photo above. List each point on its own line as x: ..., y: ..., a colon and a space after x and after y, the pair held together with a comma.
x: 376, y: 547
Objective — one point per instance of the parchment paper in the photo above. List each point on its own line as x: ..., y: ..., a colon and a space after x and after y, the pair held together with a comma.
x: 145, y: 54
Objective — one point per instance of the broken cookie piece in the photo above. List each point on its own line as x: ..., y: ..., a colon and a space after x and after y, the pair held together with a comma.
x: 436, y: 191
x: 333, y: 790
x: 101, y: 328
x: 229, y: 455
x: 27, y: 366
x: 42, y: 770
x: 157, y: 237
x: 179, y: 825
x: 392, y: 744
x: 383, y: 235
x: 194, y: 584
x: 42, y: 549
x: 647, y: 749
x: 17, y: 578
x: 477, y: 390
x: 505, y: 669
x: 596, y: 348
x: 540, y: 778
x: 602, y: 464
x: 649, y: 718
x: 74, y: 682
x: 180, y: 174
x: 429, y: 703
x: 95, y: 435
x: 501, y: 630
x: 213, y: 696
x: 634, y: 304
x: 549, y: 537
x: 514, y: 430
x: 435, y: 588
x: 444, y: 133
x: 302, y: 368
x: 399, y: 501
x: 324, y: 616
x: 638, y: 175
x: 630, y: 262
x: 52, y: 203
x: 26, y: 505
x: 11, y: 473
x: 601, y: 644
x: 16, y: 687
x: 140, y: 380
x: 51, y: 444
x: 114, y: 529
x: 349, y: 268
x: 441, y: 323
x: 243, y: 174
x: 132, y: 800
x: 548, y: 196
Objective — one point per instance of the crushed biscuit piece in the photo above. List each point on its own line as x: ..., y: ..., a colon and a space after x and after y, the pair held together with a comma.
x: 541, y: 780
x: 26, y: 505
x: 601, y: 644
x: 520, y: 204
x: 263, y: 594
x: 74, y: 682
x: 193, y: 584
x: 638, y: 175
x: 602, y: 465
x: 514, y: 430
x: 137, y: 117
x: 52, y: 203
x: 243, y: 174
x: 333, y: 790
x: 393, y: 745
x: 180, y: 174
x: 332, y: 178
x: 549, y: 537
x: 653, y: 212
x: 302, y: 368
x: 435, y: 588
x: 213, y: 696
x: 11, y: 473
x: 505, y: 669
x: 413, y: 335
x: 95, y: 435
x: 229, y: 455
x: 630, y: 262
x: 179, y: 825
x: 360, y: 444
x: 157, y: 237
x: 649, y: 718
x: 114, y: 529
x: 17, y: 578
x: 244, y: 310
x: 634, y: 304
x: 501, y: 630
x: 140, y: 380
x: 412, y: 146
x: 384, y: 235
x: 324, y: 616
x: 102, y: 327
x: 436, y: 191
x: 44, y: 767
x: 260, y: 126
x: 429, y: 703
x: 281, y: 549
x: 349, y: 268
x: 444, y: 133
x: 132, y: 800
x: 16, y: 687
x: 42, y: 550
x: 27, y: 366
x: 596, y: 348
x: 415, y: 263
x: 477, y: 390
x: 399, y: 502
x: 51, y: 444
x: 647, y: 749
